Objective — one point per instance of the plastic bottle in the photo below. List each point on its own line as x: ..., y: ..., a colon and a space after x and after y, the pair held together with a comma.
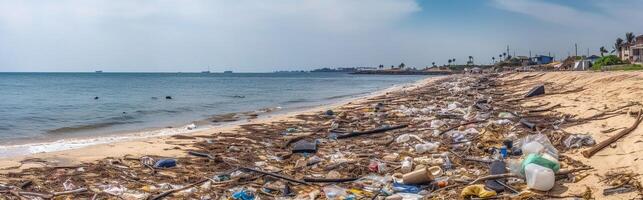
x: 426, y: 147
x: 539, y: 177
x: 532, y: 147
x: 447, y: 163
x: 407, y: 165
x: 403, y: 138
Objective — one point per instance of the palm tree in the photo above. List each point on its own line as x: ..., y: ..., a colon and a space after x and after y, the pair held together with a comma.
x: 453, y: 61
x: 401, y: 66
x: 433, y: 64
x: 381, y: 66
x: 500, y: 57
x: 602, y: 50
x: 618, y: 44
x: 449, y: 62
x: 494, y: 59
x: 630, y: 37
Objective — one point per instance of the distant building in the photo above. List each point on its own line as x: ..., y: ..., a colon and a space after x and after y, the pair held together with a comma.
x: 632, y: 52
x: 593, y: 58
x: 542, y: 59
x: 637, y: 50
x: 523, y: 60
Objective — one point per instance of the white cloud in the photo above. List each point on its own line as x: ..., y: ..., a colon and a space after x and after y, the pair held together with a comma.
x: 554, y: 13
x: 335, y: 15
x: 131, y: 34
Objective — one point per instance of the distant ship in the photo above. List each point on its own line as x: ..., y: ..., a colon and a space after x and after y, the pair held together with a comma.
x: 99, y: 71
x: 227, y: 72
x: 206, y: 72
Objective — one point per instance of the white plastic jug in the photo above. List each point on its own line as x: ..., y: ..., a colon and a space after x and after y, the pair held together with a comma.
x: 532, y: 147
x: 539, y: 177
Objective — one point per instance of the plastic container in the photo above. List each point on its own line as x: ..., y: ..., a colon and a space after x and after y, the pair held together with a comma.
x: 420, y: 176
x: 539, y: 177
x: 403, y: 138
x: 550, y: 158
x: 407, y: 165
x: 426, y: 147
x: 532, y: 147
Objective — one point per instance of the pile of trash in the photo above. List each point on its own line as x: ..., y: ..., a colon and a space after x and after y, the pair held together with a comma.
x: 461, y: 137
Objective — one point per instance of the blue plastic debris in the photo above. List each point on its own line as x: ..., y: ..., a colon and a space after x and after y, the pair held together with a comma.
x: 243, y: 195
x: 165, y: 163
x: 399, y: 187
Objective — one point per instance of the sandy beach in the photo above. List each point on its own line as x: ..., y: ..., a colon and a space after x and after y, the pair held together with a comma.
x: 259, y: 143
x: 168, y: 145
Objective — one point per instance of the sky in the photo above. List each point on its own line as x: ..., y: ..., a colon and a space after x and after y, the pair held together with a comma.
x: 264, y: 36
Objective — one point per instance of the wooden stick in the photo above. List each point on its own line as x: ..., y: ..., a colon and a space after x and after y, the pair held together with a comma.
x: 462, y: 124
x: 590, y: 152
x: 510, y: 175
x: 329, y: 180
x: 274, y: 175
x: 79, y: 190
x: 544, y: 109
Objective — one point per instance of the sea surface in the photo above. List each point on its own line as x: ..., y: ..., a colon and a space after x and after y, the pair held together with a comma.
x: 41, y: 107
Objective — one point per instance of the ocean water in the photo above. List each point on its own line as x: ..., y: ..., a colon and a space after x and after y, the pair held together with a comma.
x: 55, y: 106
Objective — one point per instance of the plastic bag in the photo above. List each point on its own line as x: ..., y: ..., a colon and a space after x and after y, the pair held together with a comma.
x: 578, y: 140
x: 531, y: 142
x: 539, y: 160
x: 403, y: 188
x: 403, y: 138
x: 437, y: 123
x: 334, y: 192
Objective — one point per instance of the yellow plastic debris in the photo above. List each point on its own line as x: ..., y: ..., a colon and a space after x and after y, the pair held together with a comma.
x: 477, y: 190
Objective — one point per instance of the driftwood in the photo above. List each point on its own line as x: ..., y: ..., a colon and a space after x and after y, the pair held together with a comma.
x: 46, y: 196
x: 510, y: 175
x: 590, y: 152
x: 462, y: 124
x: 377, y: 130
x: 544, y: 109
x: 164, y: 194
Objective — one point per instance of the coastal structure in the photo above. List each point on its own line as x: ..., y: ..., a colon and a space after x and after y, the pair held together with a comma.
x: 636, y: 50
x: 632, y: 51
x: 542, y: 59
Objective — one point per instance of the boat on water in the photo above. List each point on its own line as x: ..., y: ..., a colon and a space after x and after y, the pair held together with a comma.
x: 227, y: 72
x: 206, y: 72
x: 99, y: 71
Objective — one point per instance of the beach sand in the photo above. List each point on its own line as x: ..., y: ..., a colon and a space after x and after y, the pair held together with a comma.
x: 170, y: 146
x: 600, y: 91
x: 580, y: 94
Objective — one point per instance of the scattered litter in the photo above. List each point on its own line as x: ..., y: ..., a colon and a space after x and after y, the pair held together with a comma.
x: 578, y: 140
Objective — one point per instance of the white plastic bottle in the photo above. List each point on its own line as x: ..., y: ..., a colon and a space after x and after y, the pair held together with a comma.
x: 532, y: 147
x: 539, y: 177
x: 407, y: 165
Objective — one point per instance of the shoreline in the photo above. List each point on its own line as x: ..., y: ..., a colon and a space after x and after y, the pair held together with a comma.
x: 158, y: 141
x: 266, y: 144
